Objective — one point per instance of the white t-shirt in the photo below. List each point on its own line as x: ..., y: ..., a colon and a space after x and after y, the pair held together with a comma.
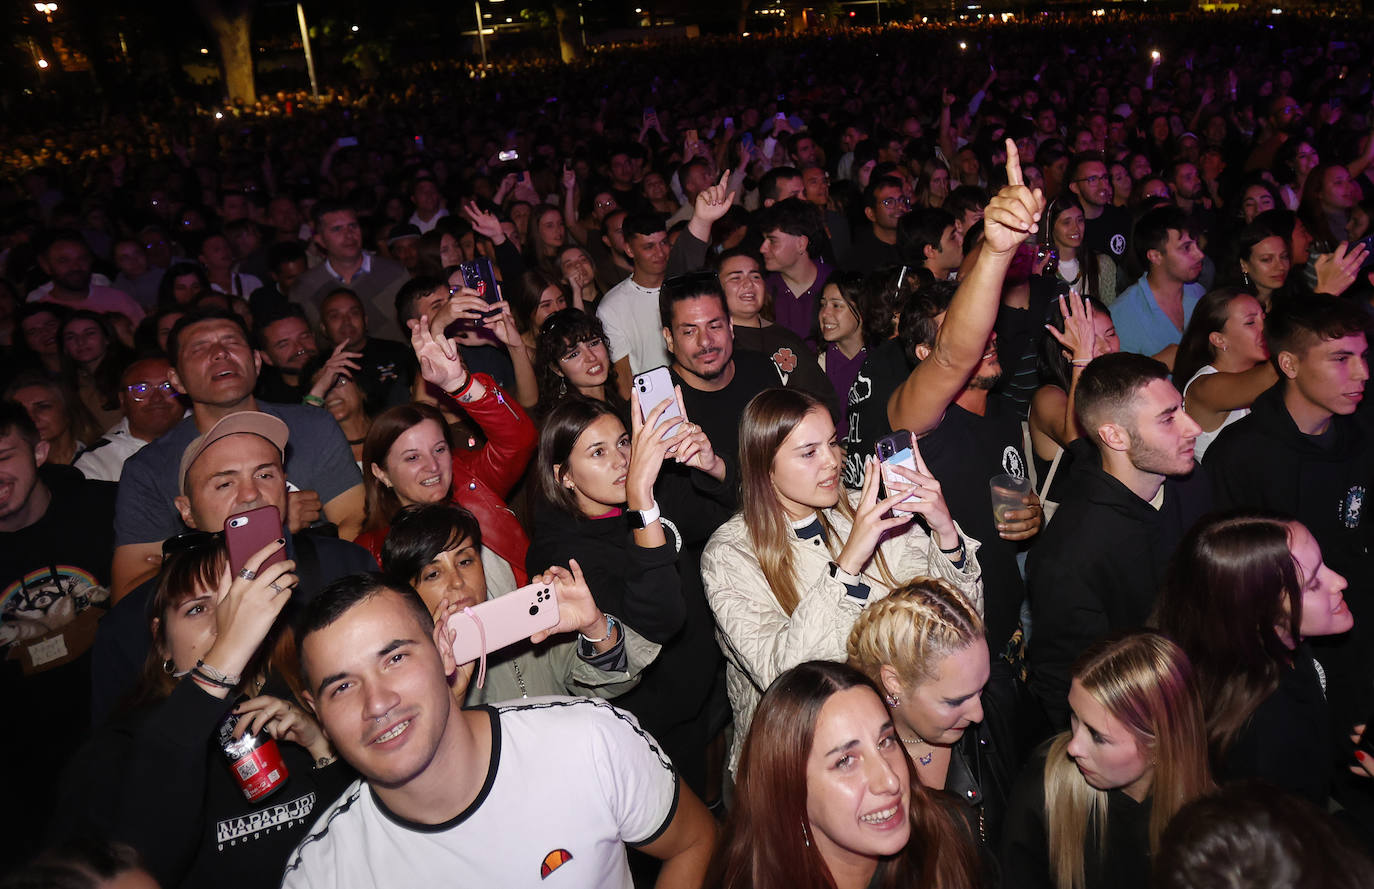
x: 629, y: 313
x: 571, y: 780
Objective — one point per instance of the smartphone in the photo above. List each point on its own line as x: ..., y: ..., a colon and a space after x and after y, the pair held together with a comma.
x: 747, y: 140
x: 769, y: 145
x: 511, y: 155
x: 649, y: 112
x: 504, y: 621
x: 729, y: 123
x: 247, y: 532
x: 654, y: 387
x: 1368, y: 262
x: 692, y: 138
x: 348, y: 142
x: 895, y: 449
x: 478, y: 275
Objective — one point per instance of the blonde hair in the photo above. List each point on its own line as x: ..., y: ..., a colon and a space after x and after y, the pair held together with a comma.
x: 1146, y: 682
x: 912, y: 629
x: 768, y: 419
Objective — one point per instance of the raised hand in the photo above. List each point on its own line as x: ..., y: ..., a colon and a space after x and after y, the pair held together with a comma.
x: 341, y: 362
x: 577, y: 610
x: 1013, y: 215
x: 713, y: 201
x: 871, y: 521
x: 650, y: 443
x: 1336, y: 271
x: 284, y: 721
x: 1078, y: 337
x: 440, y: 361
x: 246, y: 605
x: 928, y: 500
x: 484, y: 223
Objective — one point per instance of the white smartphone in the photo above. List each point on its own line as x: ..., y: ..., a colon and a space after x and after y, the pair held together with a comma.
x: 654, y: 386
x: 895, y: 449
x: 504, y: 621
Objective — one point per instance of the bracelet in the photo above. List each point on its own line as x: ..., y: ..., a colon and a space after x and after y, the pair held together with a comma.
x: 611, y: 624
x: 313, y: 400
x: 952, y: 550
x: 325, y: 761
x: 1081, y: 362
x: 462, y: 390
x: 215, y: 675
x: 205, y: 679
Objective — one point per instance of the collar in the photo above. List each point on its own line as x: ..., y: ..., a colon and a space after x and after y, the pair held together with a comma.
x: 362, y: 270
x: 810, y: 529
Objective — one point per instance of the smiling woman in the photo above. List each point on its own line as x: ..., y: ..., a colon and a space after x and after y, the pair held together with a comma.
x: 827, y: 798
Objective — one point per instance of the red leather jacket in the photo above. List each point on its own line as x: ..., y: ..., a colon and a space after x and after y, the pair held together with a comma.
x: 483, y: 477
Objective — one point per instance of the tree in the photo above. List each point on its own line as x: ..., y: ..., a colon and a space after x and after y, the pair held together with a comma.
x: 230, y: 22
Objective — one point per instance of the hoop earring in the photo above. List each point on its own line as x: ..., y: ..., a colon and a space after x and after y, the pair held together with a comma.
x: 169, y: 667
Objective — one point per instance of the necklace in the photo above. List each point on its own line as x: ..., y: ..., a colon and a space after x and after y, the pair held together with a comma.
x: 927, y: 758
x: 520, y: 680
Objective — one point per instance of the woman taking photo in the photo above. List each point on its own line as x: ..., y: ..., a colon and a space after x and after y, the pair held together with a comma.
x: 1090, y: 807
x: 788, y: 575
x: 1085, y: 272
x: 1242, y: 595
x: 437, y: 549
x: 572, y: 357
x: 1223, y: 361
x: 826, y: 797
x: 924, y: 647
x: 636, y: 526
x: 93, y: 359
x: 158, y: 779
x: 409, y: 458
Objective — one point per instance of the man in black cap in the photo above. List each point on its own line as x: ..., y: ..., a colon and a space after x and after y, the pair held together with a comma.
x: 403, y: 245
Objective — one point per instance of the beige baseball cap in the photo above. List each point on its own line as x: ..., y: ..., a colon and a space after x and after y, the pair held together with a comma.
x: 250, y: 422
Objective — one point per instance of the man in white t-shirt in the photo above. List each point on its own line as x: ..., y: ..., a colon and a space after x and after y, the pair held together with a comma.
x: 629, y: 310
x: 503, y: 795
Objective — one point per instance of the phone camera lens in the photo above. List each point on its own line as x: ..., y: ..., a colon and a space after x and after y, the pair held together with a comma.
x: 534, y: 609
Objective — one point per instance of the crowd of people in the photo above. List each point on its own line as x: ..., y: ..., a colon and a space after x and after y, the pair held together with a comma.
x: 946, y: 453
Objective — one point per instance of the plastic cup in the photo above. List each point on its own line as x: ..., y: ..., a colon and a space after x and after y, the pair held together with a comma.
x: 1009, y: 493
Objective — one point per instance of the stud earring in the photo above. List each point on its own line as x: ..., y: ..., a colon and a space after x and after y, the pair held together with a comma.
x: 892, y: 700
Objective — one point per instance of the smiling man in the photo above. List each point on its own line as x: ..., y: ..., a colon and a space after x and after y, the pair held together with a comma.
x: 1305, y: 451
x: 499, y: 794
x: 1099, y: 565
x: 216, y: 368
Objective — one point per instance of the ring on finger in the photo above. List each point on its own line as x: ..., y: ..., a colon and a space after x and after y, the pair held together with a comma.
x: 248, y: 574
x: 275, y: 588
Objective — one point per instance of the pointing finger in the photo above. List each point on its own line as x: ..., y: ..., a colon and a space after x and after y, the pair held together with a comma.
x: 1014, y: 165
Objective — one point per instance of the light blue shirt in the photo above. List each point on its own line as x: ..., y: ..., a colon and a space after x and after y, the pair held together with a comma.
x: 1142, y: 325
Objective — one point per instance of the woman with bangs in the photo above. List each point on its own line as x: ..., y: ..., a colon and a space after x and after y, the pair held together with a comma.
x: 156, y: 778
x: 1089, y: 809
x: 572, y: 357
x: 788, y: 575
x: 827, y: 799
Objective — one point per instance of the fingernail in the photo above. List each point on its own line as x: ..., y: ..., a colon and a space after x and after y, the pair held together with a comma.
x: 1361, y: 755
x: 281, y: 540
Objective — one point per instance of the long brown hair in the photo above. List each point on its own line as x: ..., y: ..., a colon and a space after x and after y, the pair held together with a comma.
x: 1146, y: 682
x: 1231, y: 584
x: 767, y: 844
x: 381, y: 501
x: 768, y: 419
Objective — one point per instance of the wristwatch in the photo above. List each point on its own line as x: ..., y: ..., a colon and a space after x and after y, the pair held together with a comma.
x: 640, y: 518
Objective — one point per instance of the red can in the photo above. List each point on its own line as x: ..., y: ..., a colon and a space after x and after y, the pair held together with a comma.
x: 254, y: 760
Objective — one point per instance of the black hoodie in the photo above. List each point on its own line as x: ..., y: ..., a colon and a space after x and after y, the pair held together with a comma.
x: 1098, y: 568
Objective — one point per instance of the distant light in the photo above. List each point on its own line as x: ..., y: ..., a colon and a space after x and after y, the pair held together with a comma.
x: 42, y: 63
x: 219, y: 115
x: 355, y: 29
x: 924, y: 19
x: 204, y: 51
x: 1276, y: 11
x: 745, y: 34
x: 638, y: 10
x: 46, y: 8
x: 1154, y: 54
x: 508, y: 21
x: 963, y: 45
x: 851, y: 13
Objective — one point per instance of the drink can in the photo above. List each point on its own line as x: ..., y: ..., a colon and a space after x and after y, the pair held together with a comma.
x: 255, y: 760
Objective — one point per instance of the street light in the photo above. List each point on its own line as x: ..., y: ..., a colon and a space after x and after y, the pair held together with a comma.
x: 47, y: 9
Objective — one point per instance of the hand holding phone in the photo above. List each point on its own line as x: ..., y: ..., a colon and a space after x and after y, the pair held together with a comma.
x: 895, y: 449
x: 502, y: 621
x: 479, y: 276
x: 247, y: 532
x: 654, y: 387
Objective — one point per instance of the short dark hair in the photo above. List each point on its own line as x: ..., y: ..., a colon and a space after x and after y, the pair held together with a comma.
x: 196, y: 316
x: 47, y: 239
x: 1297, y: 325
x: 14, y: 418
x: 279, y: 312
x: 323, y: 208
x: 877, y: 182
x: 1152, y: 230
x: 1108, y: 386
x: 78, y: 863
x: 278, y: 255
x: 420, y: 533
x: 412, y: 291
x: 688, y: 286
x: 768, y: 184
x: 921, y: 228
x: 795, y: 216
x: 965, y: 198
x: 1082, y: 159
x: 917, y: 326
x: 339, y: 597
x: 642, y: 224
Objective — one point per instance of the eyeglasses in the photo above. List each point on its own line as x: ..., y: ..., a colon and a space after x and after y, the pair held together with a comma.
x: 1095, y: 180
x: 901, y: 201
x: 190, y: 541
x: 141, y: 391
